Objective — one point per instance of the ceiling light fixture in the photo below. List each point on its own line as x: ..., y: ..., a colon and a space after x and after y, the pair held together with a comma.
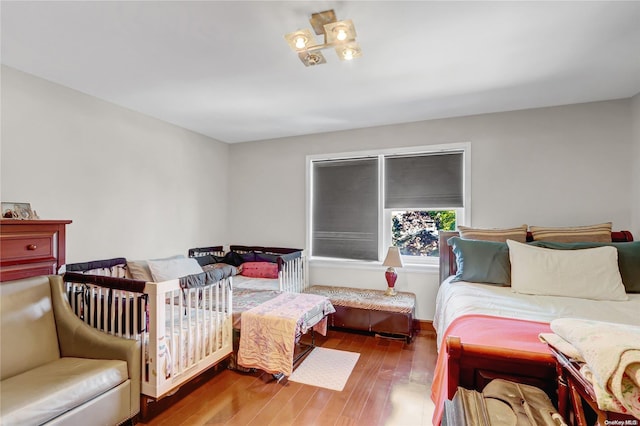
x: 340, y: 35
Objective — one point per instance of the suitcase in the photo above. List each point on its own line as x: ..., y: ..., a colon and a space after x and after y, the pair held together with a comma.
x: 501, y: 403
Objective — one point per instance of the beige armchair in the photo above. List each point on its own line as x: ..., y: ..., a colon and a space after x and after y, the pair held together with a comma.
x: 54, y: 369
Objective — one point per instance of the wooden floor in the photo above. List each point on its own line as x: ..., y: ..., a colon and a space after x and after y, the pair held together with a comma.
x: 390, y: 385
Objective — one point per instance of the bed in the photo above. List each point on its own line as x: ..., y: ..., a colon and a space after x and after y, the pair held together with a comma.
x: 486, y: 330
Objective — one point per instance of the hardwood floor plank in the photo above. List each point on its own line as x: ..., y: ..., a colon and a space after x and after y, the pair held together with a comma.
x: 390, y: 378
x: 381, y: 365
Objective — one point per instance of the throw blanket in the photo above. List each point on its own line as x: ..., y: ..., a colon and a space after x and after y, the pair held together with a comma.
x: 611, y: 353
x: 492, y: 332
x: 206, y: 278
x: 268, y: 332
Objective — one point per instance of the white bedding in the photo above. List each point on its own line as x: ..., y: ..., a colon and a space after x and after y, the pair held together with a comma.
x: 456, y: 299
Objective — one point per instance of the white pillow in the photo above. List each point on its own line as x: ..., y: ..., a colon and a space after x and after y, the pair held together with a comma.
x: 586, y: 273
x: 139, y: 269
x: 170, y: 269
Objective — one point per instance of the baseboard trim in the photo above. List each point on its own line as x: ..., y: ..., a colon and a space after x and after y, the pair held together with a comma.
x: 423, y: 327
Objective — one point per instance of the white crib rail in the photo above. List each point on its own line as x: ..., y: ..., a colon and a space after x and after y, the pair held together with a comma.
x: 197, y: 323
x: 292, y: 276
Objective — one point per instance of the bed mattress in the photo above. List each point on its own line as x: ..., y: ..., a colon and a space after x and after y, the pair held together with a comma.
x: 456, y: 299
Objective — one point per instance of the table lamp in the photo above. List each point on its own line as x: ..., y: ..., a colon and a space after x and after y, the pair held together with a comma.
x: 393, y: 260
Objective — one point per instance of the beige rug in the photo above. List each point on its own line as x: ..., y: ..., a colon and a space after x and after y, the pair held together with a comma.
x: 326, y: 368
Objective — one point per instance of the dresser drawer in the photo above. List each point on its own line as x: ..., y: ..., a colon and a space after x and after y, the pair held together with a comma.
x: 16, y: 272
x: 27, y: 246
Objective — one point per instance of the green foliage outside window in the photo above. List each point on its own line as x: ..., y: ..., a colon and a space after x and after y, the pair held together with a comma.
x: 415, y: 232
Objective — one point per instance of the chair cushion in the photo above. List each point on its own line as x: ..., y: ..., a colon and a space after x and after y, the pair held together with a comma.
x: 45, y: 392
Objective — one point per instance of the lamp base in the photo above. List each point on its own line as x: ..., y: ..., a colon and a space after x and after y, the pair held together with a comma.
x: 391, y: 276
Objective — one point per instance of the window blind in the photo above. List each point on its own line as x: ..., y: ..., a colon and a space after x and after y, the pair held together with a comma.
x: 419, y: 181
x: 345, y: 209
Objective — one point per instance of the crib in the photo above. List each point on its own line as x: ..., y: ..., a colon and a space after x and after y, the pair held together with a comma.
x: 291, y: 263
x: 182, y: 331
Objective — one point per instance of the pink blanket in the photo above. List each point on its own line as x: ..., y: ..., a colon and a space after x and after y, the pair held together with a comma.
x: 489, y: 331
x: 268, y: 331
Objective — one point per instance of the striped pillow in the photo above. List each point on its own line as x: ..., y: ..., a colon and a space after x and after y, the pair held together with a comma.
x: 600, y: 233
x: 517, y: 234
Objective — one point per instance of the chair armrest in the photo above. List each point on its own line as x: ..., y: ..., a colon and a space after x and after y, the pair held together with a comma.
x: 79, y: 340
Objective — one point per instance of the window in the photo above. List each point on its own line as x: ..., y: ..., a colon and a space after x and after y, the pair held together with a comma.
x: 345, y: 209
x: 361, y: 203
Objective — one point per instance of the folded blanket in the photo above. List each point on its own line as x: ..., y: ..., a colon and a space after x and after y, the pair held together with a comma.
x: 611, y: 353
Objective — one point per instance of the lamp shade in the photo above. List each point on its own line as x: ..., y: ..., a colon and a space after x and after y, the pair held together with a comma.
x: 393, y: 258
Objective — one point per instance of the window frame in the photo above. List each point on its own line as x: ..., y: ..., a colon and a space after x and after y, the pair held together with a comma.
x: 463, y: 214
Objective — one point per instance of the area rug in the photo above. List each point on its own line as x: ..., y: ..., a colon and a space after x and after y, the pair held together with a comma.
x: 326, y: 368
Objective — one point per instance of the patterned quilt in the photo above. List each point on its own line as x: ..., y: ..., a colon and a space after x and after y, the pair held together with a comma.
x: 269, y: 330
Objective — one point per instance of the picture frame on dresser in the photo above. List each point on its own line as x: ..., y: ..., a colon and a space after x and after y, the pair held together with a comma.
x: 13, y: 210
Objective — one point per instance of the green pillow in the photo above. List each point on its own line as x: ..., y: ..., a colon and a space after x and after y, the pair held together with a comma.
x: 628, y: 259
x: 481, y: 261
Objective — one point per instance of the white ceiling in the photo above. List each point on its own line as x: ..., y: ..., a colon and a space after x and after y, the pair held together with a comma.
x: 223, y: 68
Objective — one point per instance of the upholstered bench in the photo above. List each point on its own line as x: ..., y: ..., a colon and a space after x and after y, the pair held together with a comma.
x: 370, y: 310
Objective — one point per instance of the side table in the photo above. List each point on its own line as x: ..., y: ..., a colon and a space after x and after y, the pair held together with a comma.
x: 577, y: 400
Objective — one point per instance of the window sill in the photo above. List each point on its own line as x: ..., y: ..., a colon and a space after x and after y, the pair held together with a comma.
x: 366, y: 265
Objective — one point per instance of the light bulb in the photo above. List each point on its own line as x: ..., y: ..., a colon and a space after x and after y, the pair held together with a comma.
x: 348, y: 54
x: 301, y: 42
x: 342, y: 34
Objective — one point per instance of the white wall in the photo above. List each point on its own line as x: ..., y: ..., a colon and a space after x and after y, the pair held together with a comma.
x: 635, y: 176
x: 567, y: 165
x: 138, y: 187
x: 134, y: 186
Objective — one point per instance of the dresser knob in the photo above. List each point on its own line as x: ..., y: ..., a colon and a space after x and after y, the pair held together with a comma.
x: 32, y: 247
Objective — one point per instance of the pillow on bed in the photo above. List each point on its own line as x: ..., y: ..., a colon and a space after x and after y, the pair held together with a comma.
x: 628, y: 259
x: 587, y: 274
x: 517, y: 234
x: 139, y: 269
x: 259, y: 270
x: 600, y: 233
x: 169, y: 269
x: 481, y: 261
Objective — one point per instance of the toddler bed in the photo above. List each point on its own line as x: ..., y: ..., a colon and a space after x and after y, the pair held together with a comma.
x: 486, y: 328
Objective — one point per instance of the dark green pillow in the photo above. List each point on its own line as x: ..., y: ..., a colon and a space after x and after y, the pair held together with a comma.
x: 628, y: 259
x: 481, y: 261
